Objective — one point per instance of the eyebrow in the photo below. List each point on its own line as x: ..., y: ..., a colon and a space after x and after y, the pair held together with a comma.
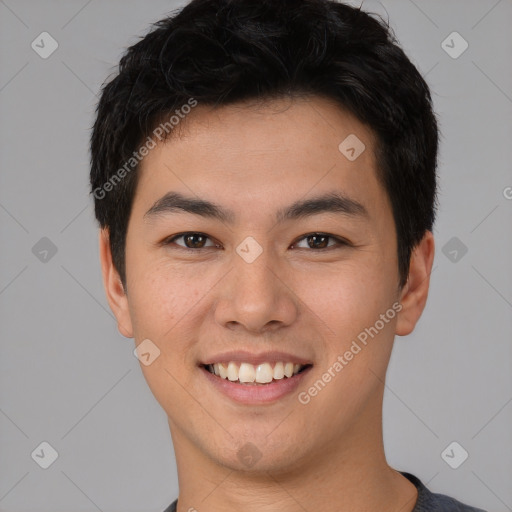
x: 333, y: 202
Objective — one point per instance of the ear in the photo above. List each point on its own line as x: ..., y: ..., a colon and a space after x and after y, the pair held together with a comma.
x: 413, y: 296
x: 114, y: 290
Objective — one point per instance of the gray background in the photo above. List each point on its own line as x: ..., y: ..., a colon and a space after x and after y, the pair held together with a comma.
x: 70, y: 379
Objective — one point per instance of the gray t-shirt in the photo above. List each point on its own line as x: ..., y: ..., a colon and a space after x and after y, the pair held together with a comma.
x: 426, y: 502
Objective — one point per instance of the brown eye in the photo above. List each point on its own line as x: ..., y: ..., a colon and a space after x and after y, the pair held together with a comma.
x: 194, y: 241
x: 320, y: 241
x: 190, y: 240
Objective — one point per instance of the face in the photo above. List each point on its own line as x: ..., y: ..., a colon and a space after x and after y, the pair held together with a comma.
x: 293, y: 260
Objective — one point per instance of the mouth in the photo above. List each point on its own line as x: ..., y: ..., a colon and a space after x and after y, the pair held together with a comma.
x: 262, y: 374
x: 262, y: 383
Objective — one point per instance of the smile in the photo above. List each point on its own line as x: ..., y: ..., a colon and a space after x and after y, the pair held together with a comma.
x: 247, y: 373
x: 249, y: 384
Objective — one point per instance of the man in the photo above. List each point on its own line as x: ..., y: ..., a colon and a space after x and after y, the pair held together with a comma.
x: 264, y: 175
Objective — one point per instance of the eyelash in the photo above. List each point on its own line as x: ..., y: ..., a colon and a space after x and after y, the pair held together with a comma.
x: 339, y: 241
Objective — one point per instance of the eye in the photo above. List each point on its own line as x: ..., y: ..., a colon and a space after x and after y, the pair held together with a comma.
x: 320, y: 241
x: 192, y: 240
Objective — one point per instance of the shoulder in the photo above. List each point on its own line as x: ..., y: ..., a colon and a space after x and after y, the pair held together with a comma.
x: 171, y: 507
x: 432, y: 502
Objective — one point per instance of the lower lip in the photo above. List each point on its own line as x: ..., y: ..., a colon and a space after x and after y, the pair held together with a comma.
x: 256, y: 394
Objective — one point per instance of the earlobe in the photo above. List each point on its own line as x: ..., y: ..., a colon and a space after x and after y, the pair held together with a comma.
x: 413, y: 296
x: 116, y: 296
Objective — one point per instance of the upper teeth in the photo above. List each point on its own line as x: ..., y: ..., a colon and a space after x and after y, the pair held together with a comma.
x: 247, y: 372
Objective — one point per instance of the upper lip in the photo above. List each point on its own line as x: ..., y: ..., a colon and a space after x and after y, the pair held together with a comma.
x: 244, y: 356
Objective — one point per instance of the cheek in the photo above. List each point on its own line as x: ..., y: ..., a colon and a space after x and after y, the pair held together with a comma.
x: 161, y: 307
x: 155, y: 310
x: 167, y: 305
x: 157, y: 300
x: 347, y: 305
x: 348, y: 298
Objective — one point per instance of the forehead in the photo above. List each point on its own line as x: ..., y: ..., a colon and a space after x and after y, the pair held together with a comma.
x: 279, y: 124
x: 246, y: 154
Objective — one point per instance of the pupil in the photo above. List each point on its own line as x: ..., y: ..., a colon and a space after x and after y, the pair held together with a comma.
x: 192, y: 237
x: 315, y: 239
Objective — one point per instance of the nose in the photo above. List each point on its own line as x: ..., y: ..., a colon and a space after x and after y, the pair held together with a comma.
x: 256, y: 296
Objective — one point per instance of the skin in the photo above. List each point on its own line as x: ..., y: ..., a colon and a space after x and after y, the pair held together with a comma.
x: 325, y: 455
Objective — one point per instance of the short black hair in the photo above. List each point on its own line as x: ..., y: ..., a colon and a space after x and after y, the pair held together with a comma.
x: 220, y: 52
